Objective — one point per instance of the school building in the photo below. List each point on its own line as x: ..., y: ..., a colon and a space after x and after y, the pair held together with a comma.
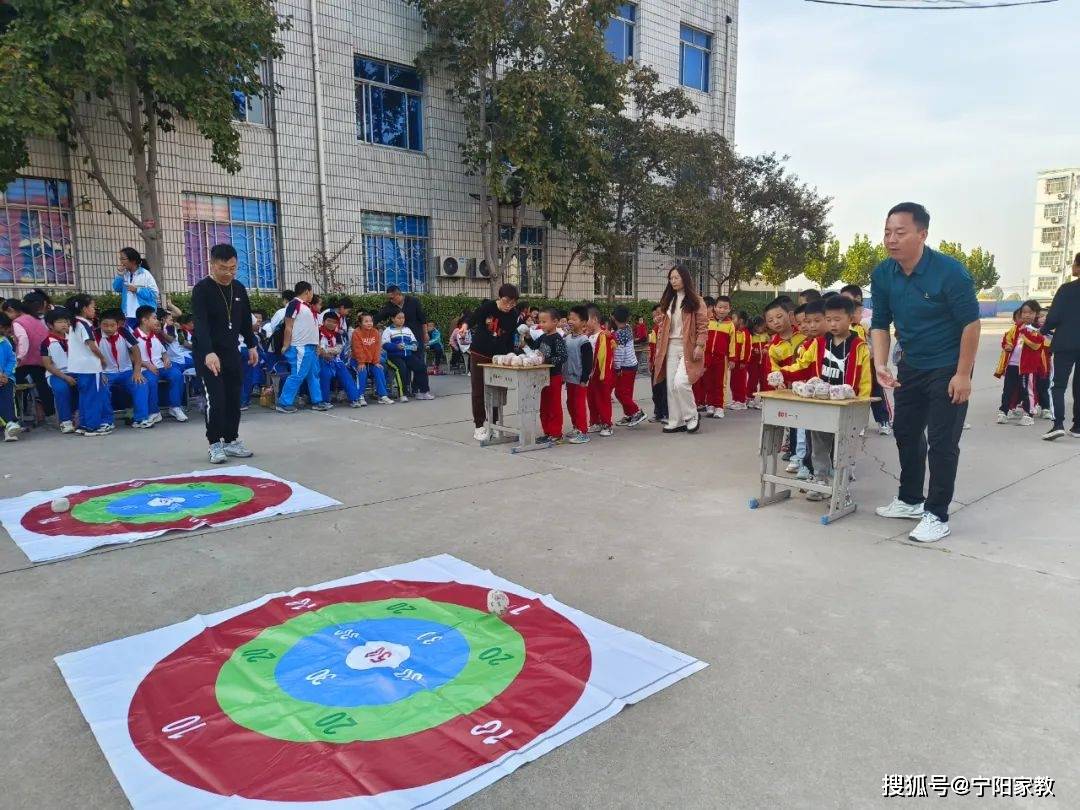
x: 1056, y: 237
x: 355, y: 148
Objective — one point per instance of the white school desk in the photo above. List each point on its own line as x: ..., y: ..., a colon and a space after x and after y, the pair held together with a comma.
x: 844, y: 418
x: 528, y: 381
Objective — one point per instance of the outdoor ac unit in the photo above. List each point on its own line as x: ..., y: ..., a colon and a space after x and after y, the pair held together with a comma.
x: 1063, y: 196
x: 455, y: 267
x: 1057, y: 244
x: 1055, y: 220
x: 481, y: 269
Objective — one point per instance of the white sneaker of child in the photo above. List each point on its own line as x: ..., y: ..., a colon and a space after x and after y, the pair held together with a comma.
x: 178, y: 414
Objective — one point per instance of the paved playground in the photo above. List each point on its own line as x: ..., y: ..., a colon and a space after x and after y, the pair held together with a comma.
x: 837, y: 654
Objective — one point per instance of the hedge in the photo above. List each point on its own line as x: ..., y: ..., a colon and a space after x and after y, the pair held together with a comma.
x: 444, y: 310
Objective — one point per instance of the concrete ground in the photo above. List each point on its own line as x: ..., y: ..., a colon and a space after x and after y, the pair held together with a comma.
x: 837, y: 654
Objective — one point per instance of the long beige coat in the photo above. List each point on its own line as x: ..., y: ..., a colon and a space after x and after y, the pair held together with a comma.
x: 695, y: 329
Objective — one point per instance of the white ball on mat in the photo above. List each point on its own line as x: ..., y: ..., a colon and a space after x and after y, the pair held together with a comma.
x: 60, y: 505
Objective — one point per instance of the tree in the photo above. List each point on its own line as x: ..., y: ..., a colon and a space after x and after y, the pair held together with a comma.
x: 630, y: 199
x: 530, y: 77
x: 323, y: 268
x: 825, y: 270
x: 860, y: 259
x: 773, y: 275
x: 147, y: 63
x: 980, y: 264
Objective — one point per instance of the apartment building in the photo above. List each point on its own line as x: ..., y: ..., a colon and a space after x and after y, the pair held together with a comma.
x: 1056, y: 238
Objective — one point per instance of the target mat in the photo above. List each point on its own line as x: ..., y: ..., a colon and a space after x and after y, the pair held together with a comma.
x: 70, y: 520
x: 395, y: 688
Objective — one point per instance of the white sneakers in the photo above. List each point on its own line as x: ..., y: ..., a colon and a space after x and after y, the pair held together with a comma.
x: 793, y: 466
x: 929, y: 530
x: 178, y: 414
x: 67, y: 427
x: 718, y: 413
x: 1026, y: 421
x: 1002, y: 418
x: 11, y: 431
x: 385, y: 401
x: 899, y: 509
x: 481, y: 434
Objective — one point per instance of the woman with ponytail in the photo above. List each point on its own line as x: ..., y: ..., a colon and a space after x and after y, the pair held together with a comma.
x: 135, y: 284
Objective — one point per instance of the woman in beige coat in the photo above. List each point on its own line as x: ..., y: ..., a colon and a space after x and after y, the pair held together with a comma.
x: 680, y: 349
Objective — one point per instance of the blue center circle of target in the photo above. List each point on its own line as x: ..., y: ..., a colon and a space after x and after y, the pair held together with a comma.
x: 163, y: 502
x: 315, y: 668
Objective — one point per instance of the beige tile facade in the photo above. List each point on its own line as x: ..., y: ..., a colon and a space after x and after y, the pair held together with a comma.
x: 280, y: 162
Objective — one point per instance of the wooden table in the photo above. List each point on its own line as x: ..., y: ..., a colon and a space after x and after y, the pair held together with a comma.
x: 844, y: 418
x: 528, y: 381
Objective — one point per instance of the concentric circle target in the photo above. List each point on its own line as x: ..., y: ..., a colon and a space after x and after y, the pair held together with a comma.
x: 358, y: 690
x: 158, y: 505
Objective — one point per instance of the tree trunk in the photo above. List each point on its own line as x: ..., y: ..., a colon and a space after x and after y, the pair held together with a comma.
x: 143, y: 136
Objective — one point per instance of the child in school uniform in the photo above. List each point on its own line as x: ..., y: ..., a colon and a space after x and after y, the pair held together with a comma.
x: 331, y: 365
x: 576, y: 373
x: 434, y: 342
x: 85, y: 364
x: 403, y: 350
x: 881, y: 408
x: 1043, y: 401
x: 123, y: 367
x: 740, y: 361
x: 602, y: 381
x: 1021, y: 360
x: 839, y: 357
x: 367, y: 355
x: 659, y: 390
x: 759, y: 356
x: 626, y: 368
x: 54, y: 357
x: 10, y: 424
x: 299, y: 347
x: 553, y: 347
x: 158, y: 367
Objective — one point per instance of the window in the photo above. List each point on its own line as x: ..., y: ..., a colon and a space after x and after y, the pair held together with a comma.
x: 36, y: 244
x: 1057, y: 185
x: 254, y: 109
x: 1054, y: 210
x: 619, y: 34
x: 395, y: 251
x: 389, y: 104
x: 1047, y: 283
x: 526, y: 270
x: 622, y: 285
x: 249, y: 225
x: 696, y: 262
x: 1050, y: 235
x: 694, y: 49
x: 1050, y: 259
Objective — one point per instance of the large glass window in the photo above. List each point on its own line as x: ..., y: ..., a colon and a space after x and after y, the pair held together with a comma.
x: 249, y: 225
x: 1050, y: 259
x: 36, y: 244
x: 395, y: 251
x: 1054, y: 210
x: 619, y: 34
x: 621, y: 282
x: 254, y: 109
x: 389, y: 104
x: 1057, y: 185
x: 526, y: 270
x: 1050, y: 235
x: 694, y: 57
x: 1048, y: 283
x: 696, y: 262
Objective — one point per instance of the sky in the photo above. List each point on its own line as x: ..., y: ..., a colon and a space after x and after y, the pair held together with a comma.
x: 958, y: 110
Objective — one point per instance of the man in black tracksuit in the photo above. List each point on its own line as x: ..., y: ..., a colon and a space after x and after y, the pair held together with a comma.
x: 1063, y: 321
x: 414, y: 317
x: 222, y: 313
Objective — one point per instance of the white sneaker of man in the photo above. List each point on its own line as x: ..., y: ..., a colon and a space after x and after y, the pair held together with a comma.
x: 930, y: 529
x: 482, y: 434
x: 900, y: 509
x: 425, y: 395
x: 1026, y: 421
x: 178, y: 414
x: 217, y: 453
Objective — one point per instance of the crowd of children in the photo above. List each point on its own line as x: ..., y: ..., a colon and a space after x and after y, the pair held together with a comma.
x: 1025, y: 367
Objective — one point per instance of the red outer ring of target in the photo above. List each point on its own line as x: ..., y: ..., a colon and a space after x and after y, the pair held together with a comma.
x: 267, y: 493
x: 228, y: 759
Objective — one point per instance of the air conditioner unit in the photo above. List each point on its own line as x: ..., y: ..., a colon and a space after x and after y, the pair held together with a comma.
x: 480, y: 269
x: 1063, y: 196
x: 1055, y: 220
x: 455, y: 267
x: 1057, y: 244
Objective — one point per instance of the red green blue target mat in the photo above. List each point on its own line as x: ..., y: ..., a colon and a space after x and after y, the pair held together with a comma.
x: 70, y: 520
x: 391, y: 689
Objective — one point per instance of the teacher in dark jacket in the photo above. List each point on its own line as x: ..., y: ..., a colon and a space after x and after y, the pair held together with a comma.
x: 930, y: 297
x: 1063, y: 321
x: 414, y: 316
x: 492, y: 324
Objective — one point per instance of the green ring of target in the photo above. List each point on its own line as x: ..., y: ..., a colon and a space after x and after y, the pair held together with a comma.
x: 96, y: 510
x: 249, y: 694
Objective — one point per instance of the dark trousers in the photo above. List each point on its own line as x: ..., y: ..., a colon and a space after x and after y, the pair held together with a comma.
x: 222, y: 398
x: 413, y: 372
x: 36, y: 375
x: 1066, y: 363
x: 477, y: 379
x: 659, y: 400
x: 7, y: 401
x: 1015, y: 390
x: 927, y: 425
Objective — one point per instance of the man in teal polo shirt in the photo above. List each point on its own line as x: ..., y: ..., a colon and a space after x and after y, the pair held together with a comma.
x: 930, y: 297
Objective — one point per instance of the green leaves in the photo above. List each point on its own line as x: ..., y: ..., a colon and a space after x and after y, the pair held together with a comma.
x: 860, y: 259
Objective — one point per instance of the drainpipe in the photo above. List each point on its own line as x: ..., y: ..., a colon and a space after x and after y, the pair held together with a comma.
x: 320, y: 156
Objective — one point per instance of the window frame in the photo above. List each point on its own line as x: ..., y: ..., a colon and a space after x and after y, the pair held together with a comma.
x: 532, y: 242
x: 1055, y: 209
x: 66, y: 219
x: 362, y: 95
x: 410, y: 243
x: 1047, y: 283
x: 1053, y: 233
x: 266, y: 70
x: 699, y: 266
x: 1050, y: 259
x: 1057, y: 185
x: 705, y: 49
x: 207, y: 227
x: 628, y: 284
x: 628, y: 26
